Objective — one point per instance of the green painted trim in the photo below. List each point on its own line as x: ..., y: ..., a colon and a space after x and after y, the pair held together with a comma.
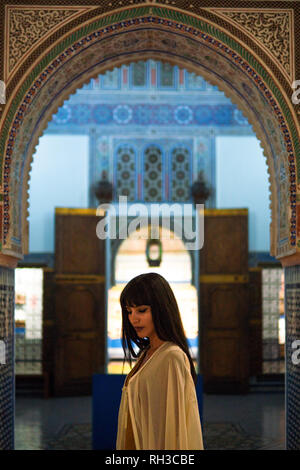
x: 223, y: 37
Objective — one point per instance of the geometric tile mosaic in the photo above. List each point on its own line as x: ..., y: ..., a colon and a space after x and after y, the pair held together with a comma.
x: 7, y: 377
x: 292, y: 309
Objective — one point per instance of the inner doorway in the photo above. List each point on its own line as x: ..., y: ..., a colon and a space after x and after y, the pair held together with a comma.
x: 176, y: 267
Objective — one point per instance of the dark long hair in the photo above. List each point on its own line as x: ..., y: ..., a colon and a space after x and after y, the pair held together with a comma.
x: 152, y: 289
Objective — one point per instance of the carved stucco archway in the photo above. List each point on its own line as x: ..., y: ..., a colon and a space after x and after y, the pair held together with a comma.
x: 144, y: 33
x: 76, y: 43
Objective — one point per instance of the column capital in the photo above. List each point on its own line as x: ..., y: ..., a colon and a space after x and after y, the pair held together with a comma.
x: 292, y: 260
x: 8, y: 261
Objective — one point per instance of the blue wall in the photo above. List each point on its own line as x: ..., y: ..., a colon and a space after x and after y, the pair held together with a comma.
x: 242, y: 181
x: 59, y: 178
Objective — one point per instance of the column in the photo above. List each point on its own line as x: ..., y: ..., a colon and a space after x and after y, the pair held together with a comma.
x: 7, y: 359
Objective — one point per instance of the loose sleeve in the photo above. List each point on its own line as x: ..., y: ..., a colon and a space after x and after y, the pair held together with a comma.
x: 169, y: 408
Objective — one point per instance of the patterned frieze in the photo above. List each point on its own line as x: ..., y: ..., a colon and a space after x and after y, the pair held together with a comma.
x: 144, y: 114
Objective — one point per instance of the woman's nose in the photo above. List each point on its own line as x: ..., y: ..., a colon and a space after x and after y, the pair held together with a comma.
x: 134, y: 317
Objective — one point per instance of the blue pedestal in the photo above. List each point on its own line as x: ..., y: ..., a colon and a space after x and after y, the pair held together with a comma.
x: 107, y: 390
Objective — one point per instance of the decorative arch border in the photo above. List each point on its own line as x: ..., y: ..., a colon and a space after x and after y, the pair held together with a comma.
x: 183, y: 24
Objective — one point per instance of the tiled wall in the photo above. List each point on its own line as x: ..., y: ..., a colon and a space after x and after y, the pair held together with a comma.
x: 28, y: 320
x: 153, y: 106
x: 292, y: 312
x: 7, y: 379
x: 273, y: 358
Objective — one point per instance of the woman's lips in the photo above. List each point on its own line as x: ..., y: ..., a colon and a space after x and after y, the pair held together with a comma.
x: 139, y: 328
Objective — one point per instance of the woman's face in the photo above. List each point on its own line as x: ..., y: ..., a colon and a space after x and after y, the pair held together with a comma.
x: 141, y: 319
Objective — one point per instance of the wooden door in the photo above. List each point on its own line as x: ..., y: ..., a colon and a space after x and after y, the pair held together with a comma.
x: 49, y: 331
x: 80, y: 343
x: 224, y: 334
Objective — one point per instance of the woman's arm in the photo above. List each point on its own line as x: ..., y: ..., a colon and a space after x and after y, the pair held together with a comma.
x: 170, y: 415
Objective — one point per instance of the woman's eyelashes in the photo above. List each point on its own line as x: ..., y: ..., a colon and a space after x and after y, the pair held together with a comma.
x: 139, y: 311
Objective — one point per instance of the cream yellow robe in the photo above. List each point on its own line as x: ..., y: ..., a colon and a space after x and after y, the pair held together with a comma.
x: 159, y: 404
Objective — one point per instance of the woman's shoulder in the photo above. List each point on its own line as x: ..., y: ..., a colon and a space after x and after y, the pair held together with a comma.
x: 172, y: 359
x: 173, y: 351
x: 170, y: 346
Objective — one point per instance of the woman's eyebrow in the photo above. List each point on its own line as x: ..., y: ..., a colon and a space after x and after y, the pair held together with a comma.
x: 136, y: 306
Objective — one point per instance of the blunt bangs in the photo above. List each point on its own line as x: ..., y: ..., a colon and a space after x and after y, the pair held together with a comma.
x: 136, y: 293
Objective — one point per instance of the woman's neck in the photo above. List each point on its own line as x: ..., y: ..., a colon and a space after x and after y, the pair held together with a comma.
x: 155, y: 342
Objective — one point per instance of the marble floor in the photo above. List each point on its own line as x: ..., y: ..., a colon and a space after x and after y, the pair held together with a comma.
x: 258, y: 415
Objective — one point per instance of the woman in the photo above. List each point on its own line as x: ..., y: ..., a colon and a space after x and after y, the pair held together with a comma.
x: 159, y: 408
